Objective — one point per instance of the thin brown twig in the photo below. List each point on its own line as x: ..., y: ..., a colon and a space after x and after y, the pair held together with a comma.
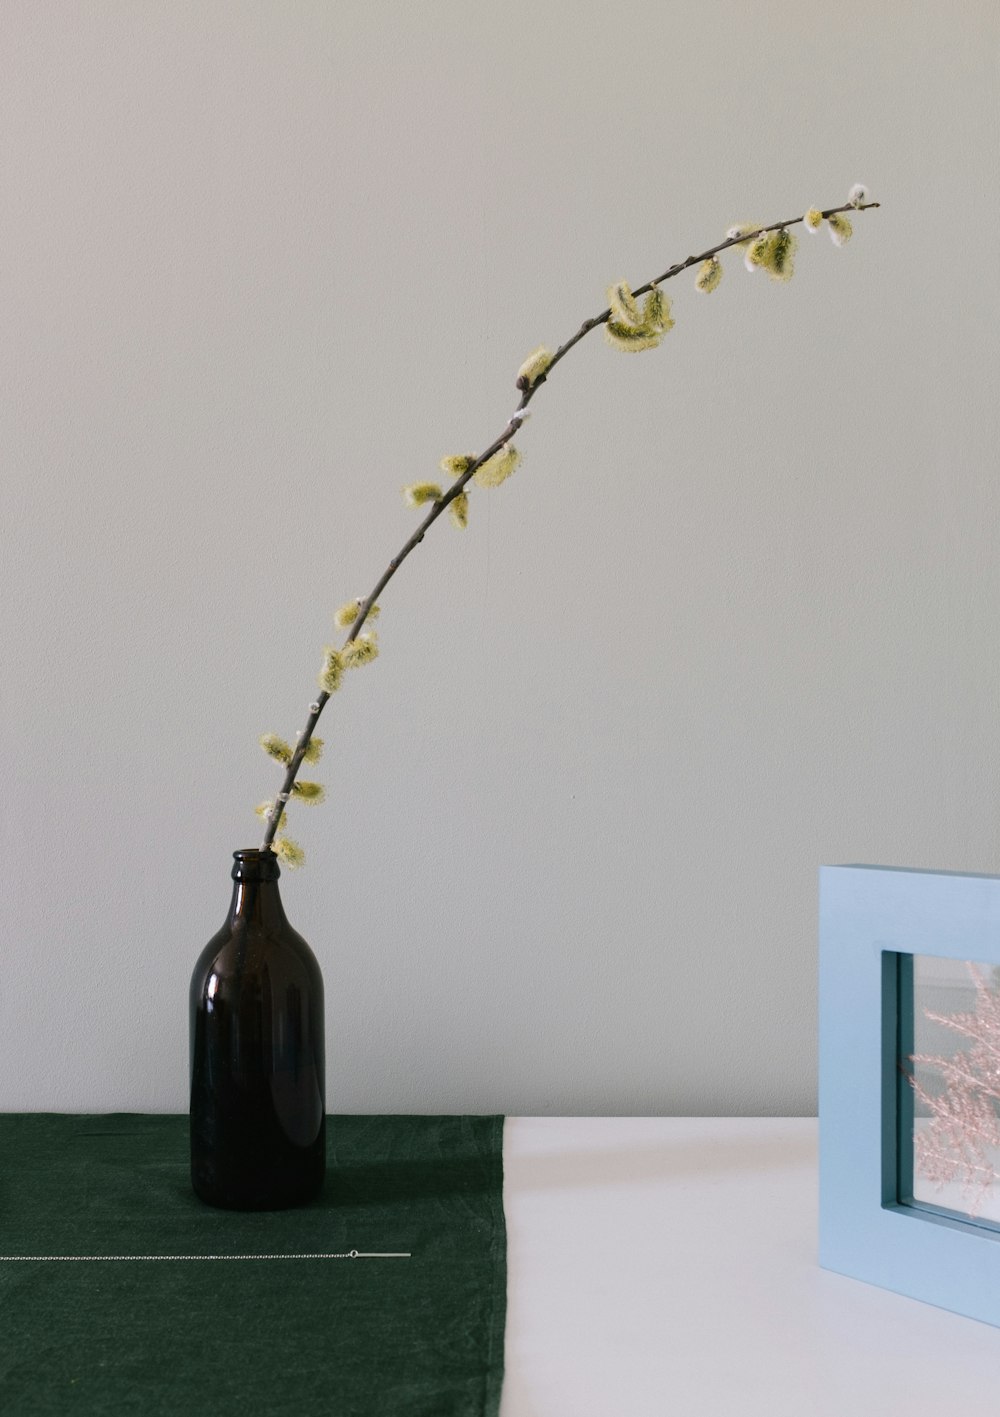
x: 442, y: 503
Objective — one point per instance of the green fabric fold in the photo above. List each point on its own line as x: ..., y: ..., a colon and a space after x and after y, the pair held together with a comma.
x: 416, y: 1337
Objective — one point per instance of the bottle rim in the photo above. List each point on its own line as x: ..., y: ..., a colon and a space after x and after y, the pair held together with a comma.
x: 255, y: 863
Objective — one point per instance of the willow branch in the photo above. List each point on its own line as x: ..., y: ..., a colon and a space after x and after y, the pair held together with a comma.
x: 513, y: 424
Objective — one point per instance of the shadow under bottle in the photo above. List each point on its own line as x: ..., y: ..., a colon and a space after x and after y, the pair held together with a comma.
x: 258, y: 1102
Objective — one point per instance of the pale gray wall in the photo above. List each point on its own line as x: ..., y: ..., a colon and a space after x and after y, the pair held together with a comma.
x: 736, y: 616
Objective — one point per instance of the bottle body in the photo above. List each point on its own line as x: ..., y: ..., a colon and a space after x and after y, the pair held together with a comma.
x: 258, y: 1099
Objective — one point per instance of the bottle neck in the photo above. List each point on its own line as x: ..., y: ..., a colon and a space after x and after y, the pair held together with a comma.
x: 256, y: 901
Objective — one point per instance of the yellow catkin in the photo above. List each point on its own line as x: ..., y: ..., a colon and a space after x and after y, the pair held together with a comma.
x: 276, y: 748
x: 313, y: 751
x: 534, y: 367
x: 709, y: 275
x: 656, y: 312
x: 623, y: 305
x: 347, y: 614
x: 499, y: 467
x: 458, y: 510
x: 628, y: 338
x: 813, y: 220
x: 311, y: 792
x: 289, y: 852
x: 264, y: 810
x: 841, y: 229
x: 757, y: 252
x: 360, y: 651
x: 333, y: 669
x: 458, y: 464
x: 418, y: 493
x: 742, y: 232
x: 781, y: 254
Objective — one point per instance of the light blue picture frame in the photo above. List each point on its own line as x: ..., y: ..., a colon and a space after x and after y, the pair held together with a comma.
x: 871, y: 918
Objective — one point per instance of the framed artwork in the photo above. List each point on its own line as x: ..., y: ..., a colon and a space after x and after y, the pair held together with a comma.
x: 909, y: 1083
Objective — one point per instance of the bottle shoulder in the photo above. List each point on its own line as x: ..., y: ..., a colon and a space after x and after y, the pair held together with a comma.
x: 249, y: 948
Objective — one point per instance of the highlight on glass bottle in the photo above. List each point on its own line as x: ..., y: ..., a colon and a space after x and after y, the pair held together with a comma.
x: 258, y: 1101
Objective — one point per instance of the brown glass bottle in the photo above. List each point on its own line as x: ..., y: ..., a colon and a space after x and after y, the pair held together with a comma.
x: 258, y: 1125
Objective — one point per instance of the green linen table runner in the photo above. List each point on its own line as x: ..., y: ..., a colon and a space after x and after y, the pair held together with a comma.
x: 136, y: 1298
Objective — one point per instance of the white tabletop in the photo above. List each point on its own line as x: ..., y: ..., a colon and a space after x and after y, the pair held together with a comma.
x: 666, y: 1267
